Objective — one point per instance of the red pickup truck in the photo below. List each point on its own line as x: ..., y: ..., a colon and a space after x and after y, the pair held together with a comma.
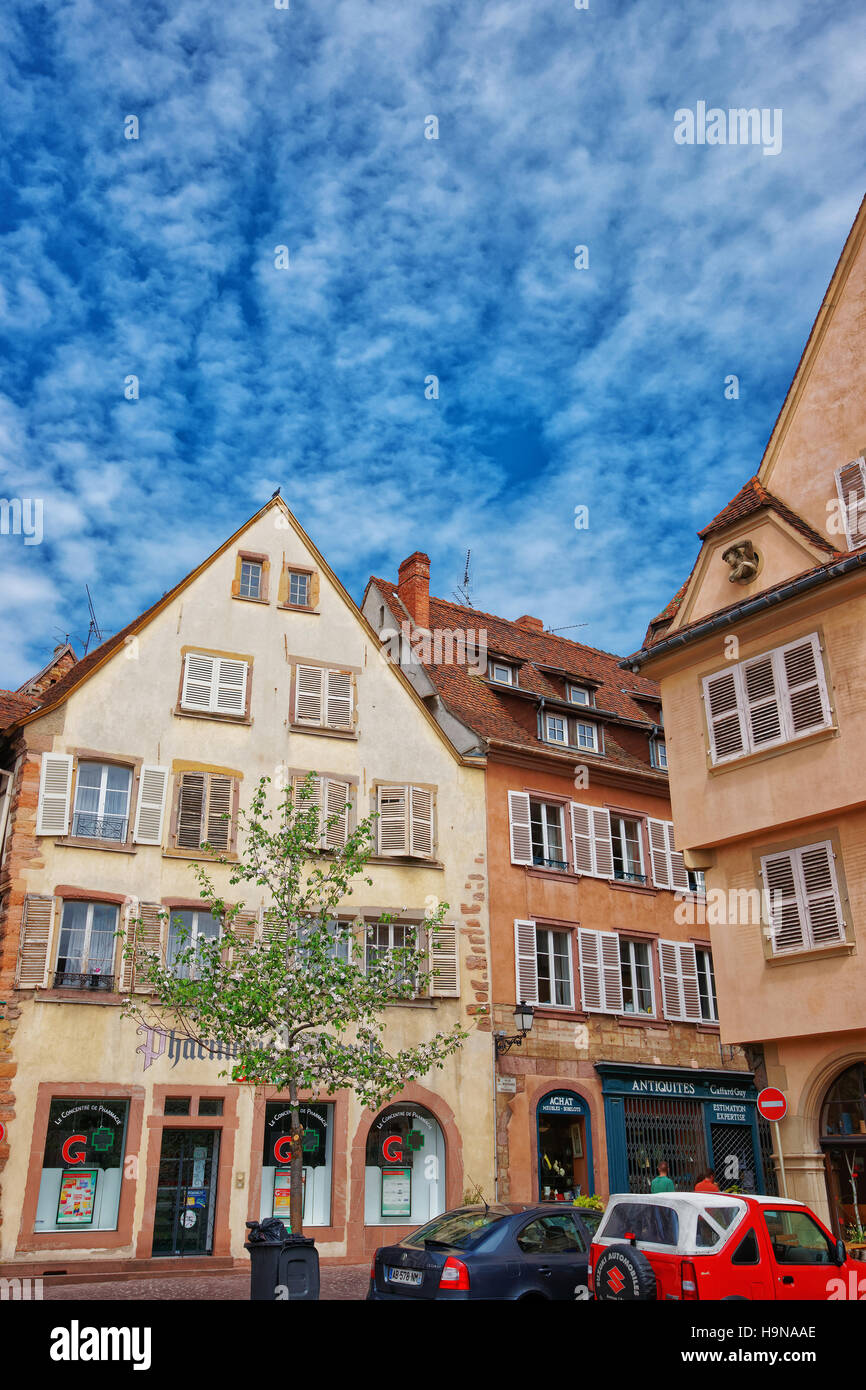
x: 713, y: 1245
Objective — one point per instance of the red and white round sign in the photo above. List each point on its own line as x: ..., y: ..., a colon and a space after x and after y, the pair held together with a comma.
x: 772, y: 1103
x: 2, y: 1132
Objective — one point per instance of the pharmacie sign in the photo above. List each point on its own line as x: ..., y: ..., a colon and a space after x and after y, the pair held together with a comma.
x: 164, y: 1042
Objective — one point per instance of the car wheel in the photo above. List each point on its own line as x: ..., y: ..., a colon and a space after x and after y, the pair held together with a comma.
x: 622, y: 1274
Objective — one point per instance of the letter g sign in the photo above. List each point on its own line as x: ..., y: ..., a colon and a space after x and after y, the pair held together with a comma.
x: 66, y: 1151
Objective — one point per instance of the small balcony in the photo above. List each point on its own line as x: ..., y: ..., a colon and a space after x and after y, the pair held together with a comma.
x: 90, y: 980
x: 88, y: 827
x: 626, y: 876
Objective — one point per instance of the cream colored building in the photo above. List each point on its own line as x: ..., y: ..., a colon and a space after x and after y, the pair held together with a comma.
x: 126, y: 1146
x: 760, y: 657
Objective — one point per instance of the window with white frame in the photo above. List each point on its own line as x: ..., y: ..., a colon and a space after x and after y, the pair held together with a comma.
x: 706, y: 985
x: 804, y: 902
x: 557, y: 729
x: 383, y: 938
x: 553, y: 964
x: 501, y: 672
x: 299, y: 588
x: 86, y: 946
x: 659, y: 751
x: 214, y: 684
x: 101, y: 810
x: 335, y: 936
x: 635, y: 961
x: 548, y: 835
x: 627, y: 841
x: 771, y: 699
x: 185, y: 933
x: 586, y: 736
x: 851, y: 487
x: 251, y: 579
x: 579, y: 695
x: 697, y: 882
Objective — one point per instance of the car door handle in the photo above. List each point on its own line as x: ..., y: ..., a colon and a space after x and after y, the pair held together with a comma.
x: 787, y: 1278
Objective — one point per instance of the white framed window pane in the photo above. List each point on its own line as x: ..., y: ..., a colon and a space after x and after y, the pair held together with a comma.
x: 586, y: 735
x: 503, y: 674
x: 561, y: 967
x: 555, y: 729
x: 103, y: 926
x: 627, y: 858
x: 299, y: 589
x: 73, y: 936
x: 251, y: 579
x: 707, y: 986
x: 578, y: 695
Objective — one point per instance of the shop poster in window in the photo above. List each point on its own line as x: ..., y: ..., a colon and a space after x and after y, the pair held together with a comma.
x: 77, y: 1198
x: 396, y: 1191
x: 283, y: 1193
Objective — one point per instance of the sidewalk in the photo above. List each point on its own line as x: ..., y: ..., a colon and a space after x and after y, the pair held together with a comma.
x: 339, y: 1282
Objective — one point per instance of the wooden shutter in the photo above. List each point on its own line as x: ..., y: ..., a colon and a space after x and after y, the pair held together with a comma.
x: 339, y: 703
x: 309, y: 684
x: 582, y: 839
x: 602, y: 842
x: 127, y: 962
x: 150, y: 936
x: 55, y: 786
x: 191, y: 798
x: 218, y: 824
x: 198, y: 678
x: 151, y: 803
x: 393, y: 820
x: 681, y: 999
x: 822, y: 902
x: 762, y: 701
x: 591, y: 983
x: 689, y: 981
x: 851, y: 486
x: 230, y: 696
x: 611, y: 972
x: 37, y: 922
x: 420, y: 822
x: 245, y: 927
x: 658, y: 839
x: 315, y: 798
x: 727, y: 734
x: 518, y: 822
x: 677, y: 864
x: 780, y: 882
x: 444, y: 956
x: 525, y: 961
x: 337, y: 796
x: 805, y: 688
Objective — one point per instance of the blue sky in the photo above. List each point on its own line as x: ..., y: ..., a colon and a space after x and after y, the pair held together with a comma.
x: 409, y: 257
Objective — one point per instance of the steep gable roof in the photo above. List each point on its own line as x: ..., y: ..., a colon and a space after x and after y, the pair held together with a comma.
x: 754, y: 497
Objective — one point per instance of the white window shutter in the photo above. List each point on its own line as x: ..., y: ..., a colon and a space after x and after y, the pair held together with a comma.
x: 591, y: 984
x: 724, y: 718
x: 851, y: 486
x: 807, y: 702
x: 309, y: 685
x: 198, y: 681
x: 55, y: 786
x: 761, y: 690
x: 602, y: 842
x: 658, y: 838
x: 420, y: 822
x: 231, y: 686
x: 37, y: 924
x: 337, y: 795
x: 786, y: 922
x: 526, y: 962
x: 393, y: 828
x: 823, y: 906
x: 582, y: 839
x: 611, y: 972
x: 443, y: 943
x: 339, y: 700
x: 691, y: 996
x: 152, y: 787
x: 677, y: 864
x: 669, y: 962
x: 518, y: 823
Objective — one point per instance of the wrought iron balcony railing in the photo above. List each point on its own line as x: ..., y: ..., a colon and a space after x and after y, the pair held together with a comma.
x: 90, y: 827
x: 89, y: 979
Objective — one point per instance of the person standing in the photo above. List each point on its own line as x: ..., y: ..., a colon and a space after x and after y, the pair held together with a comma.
x: 708, y: 1182
x: 662, y: 1182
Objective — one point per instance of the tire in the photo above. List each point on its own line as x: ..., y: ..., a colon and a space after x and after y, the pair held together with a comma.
x: 624, y: 1274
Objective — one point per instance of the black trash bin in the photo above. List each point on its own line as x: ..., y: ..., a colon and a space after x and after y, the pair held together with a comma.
x: 281, y: 1266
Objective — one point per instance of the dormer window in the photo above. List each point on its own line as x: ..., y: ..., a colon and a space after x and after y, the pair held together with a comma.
x: 586, y: 736
x: 502, y: 673
x: 580, y: 695
x: 659, y: 753
x: 851, y: 487
x: 251, y: 579
x: 557, y: 729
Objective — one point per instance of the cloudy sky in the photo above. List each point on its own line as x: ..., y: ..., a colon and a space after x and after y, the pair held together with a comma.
x: 409, y: 258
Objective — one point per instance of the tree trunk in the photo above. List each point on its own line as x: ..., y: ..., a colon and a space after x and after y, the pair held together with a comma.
x: 296, y: 1167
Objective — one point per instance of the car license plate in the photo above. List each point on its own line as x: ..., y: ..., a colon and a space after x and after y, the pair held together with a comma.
x: 405, y: 1276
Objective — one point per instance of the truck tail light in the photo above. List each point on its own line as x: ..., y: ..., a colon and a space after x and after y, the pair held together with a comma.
x: 688, y: 1280
x: 590, y: 1277
x: 454, y: 1275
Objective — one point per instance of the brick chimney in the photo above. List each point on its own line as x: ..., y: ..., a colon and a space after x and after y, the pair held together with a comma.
x: 413, y: 586
x: 531, y: 624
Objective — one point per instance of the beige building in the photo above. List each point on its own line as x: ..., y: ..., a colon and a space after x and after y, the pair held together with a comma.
x: 760, y: 657
x: 124, y: 1145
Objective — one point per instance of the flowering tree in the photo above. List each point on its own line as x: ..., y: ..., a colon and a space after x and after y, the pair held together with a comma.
x: 300, y: 1002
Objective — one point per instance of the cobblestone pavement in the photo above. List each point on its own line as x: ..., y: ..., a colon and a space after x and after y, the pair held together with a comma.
x: 338, y: 1282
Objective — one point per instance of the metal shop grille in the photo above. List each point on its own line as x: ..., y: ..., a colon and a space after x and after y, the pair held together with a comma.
x: 765, y: 1137
x: 664, y: 1129
x: 733, y: 1142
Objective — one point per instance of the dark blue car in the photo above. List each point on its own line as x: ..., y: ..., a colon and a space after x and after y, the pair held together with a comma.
x: 510, y: 1250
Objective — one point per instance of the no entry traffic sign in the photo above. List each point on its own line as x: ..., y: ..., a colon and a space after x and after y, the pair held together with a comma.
x: 772, y: 1103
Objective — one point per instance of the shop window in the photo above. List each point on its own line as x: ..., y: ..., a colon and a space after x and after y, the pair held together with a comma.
x: 82, y: 1165
x: 844, y: 1109
x: 564, y: 1147
x: 317, y: 1146
x: 86, y: 948
x: 405, y: 1168
x: 210, y: 1105
x: 177, y: 1105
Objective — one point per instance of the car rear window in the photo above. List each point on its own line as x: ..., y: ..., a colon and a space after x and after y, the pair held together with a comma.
x: 656, y: 1224
x: 459, y: 1228
x: 723, y: 1216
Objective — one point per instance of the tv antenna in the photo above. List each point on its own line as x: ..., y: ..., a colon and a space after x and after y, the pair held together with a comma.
x: 569, y: 628
x: 94, y: 629
x: 464, y: 593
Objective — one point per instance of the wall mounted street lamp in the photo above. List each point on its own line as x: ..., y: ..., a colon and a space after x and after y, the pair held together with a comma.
x: 523, y: 1016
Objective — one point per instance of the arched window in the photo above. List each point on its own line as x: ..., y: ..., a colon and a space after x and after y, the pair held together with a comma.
x: 844, y: 1110
x: 405, y: 1167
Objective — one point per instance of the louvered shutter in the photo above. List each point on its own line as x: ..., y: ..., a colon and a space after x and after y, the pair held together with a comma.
x: 658, y: 839
x: 150, y: 936
x: 611, y: 972
x: 591, y: 983
x: 309, y: 684
x: 727, y: 735
x: 151, y: 803
x: 55, y: 785
x: 245, y: 927
x: 339, y: 700
x: 822, y: 902
x: 231, y: 686
x: 127, y: 961
x: 525, y: 962
x: 805, y: 689
x: 198, y: 678
x: 582, y: 839
x: 443, y: 952
x: 315, y: 797
x: 393, y: 820
x: 219, y: 809
x: 780, y: 883
x: 420, y: 822
x: 37, y: 922
x: 689, y: 982
x: 851, y: 486
x: 602, y: 843
x: 677, y: 864
x: 672, y: 995
x: 518, y: 823
x: 337, y: 796
x: 191, y: 798
x: 762, y: 701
